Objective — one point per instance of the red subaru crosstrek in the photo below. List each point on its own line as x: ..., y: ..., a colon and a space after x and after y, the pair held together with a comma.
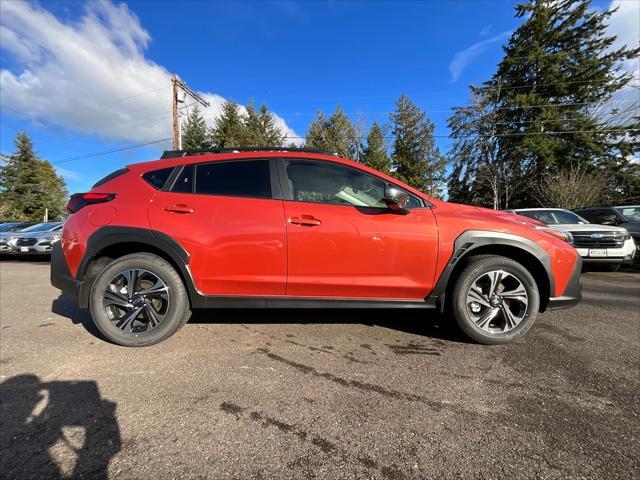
x: 296, y: 228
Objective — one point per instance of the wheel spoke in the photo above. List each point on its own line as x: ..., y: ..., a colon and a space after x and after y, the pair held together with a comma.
x: 475, y: 295
x: 511, y: 321
x: 125, y: 323
x: 484, y: 321
x: 113, y: 298
x: 496, y: 279
x: 152, y: 315
x: 131, y: 276
x: 157, y: 289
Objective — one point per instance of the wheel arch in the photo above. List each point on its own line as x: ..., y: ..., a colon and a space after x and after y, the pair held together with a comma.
x: 472, y: 243
x: 110, y: 243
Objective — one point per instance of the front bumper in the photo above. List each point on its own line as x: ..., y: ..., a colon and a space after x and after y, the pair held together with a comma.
x: 613, y: 256
x: 572, y: 293
x: 41, y: 247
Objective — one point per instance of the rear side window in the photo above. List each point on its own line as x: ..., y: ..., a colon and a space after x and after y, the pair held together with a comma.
x: 111, y: 176
x: 247, y: 178
x: 184, y: 182
x: 157, y: 178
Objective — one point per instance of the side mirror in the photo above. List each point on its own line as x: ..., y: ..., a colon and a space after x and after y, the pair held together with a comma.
x: 396, y: 200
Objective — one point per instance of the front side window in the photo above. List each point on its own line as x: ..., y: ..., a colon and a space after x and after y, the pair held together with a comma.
x: 323, y: 182
x: 243, y: 178
x: 601, y: 216
x: 632, y: 214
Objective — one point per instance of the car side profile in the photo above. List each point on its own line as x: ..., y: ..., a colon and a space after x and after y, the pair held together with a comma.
x: 297, y: 228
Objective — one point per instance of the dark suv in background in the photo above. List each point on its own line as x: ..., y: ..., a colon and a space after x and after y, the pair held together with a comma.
x: 627, y: 216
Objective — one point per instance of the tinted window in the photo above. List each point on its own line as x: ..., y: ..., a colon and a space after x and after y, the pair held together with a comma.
x: 632, y: 214
x: 323, y: 182
x: 184, y: 182
x: 602, y: 216
x: 248, y: 178
x: 158, y: 178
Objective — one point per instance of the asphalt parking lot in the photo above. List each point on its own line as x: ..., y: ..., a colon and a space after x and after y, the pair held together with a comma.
x: 318, y: 394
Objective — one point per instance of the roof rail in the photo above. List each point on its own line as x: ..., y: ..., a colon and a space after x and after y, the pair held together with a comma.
x: 213, y: 151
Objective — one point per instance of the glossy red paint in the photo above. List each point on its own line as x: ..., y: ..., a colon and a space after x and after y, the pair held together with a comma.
x: 245, y: 246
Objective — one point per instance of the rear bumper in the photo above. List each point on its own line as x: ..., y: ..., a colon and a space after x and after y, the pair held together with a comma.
x: 60, y: 275
x: 572, y: 293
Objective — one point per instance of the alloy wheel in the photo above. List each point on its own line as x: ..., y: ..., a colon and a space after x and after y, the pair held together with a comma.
x: 136, y: 301
x: 497, y: 301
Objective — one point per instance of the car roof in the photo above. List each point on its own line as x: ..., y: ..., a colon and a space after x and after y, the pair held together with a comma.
x: 261, y: 154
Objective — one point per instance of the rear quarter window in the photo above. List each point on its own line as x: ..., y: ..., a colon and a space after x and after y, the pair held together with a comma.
x: 157, y: 178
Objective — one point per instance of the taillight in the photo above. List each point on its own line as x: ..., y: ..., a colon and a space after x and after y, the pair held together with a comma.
x: 80, y: 200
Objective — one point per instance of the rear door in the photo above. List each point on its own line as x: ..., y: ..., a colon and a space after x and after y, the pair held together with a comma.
x: 229, y: 218
x: 344, y: 242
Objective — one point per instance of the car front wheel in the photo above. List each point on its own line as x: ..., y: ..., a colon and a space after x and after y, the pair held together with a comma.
x: 495, y: 299
x: 139, y: 300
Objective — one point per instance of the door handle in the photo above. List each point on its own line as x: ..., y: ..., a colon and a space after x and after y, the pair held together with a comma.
x: 179, y: 208
x: 308, y: 220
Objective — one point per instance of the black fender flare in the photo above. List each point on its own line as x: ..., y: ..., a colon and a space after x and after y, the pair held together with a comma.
x: 109, y: 236
x: 471, y: 240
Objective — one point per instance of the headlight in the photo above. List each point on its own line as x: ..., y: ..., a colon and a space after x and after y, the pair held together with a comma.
x: 561, y: 234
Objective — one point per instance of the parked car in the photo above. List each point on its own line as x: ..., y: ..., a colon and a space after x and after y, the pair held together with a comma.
x: 294, y: 228
x: 37, y: 239
x: 597, y: 244
x: 8, y: 231
x: 627, y: 217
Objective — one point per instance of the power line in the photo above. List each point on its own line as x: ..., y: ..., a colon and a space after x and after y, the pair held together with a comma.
x: 98, y: 154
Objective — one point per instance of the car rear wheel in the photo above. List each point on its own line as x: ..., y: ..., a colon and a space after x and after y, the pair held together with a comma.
x: 139, y: 300
x: 495, y: 300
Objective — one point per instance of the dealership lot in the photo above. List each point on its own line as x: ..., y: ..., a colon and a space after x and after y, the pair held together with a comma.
x: 319, y: 394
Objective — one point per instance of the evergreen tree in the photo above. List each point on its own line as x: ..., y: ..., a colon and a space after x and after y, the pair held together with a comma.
x: 194, y: 132
x: 334, y: 135
x: 29, y: 185
x: 229, y: 130
x: 260, y: 129
x: 374, y: 155
x: 415, y: 159
x: 551, y: 107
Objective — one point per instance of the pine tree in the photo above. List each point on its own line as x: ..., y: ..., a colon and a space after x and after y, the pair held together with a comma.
x: 334, y: 135
x: 558, y: 71
x: 229, y: 130
x: 29, y: 185
x: 194, y: 132
x: 260, y: 129
x: 415, y: 159
x: 374, y: 155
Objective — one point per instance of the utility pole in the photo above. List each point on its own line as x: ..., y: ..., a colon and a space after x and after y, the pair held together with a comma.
x: 177, y: 126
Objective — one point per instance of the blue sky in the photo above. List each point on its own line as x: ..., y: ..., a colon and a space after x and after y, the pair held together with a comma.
x: 88, y: 78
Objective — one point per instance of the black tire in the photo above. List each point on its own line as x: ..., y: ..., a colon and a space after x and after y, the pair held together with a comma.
x: 177, y: 311
x: 475, y: 268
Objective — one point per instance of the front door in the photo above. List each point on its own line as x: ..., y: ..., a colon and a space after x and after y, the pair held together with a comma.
x: 224, y: 215
x: 344, y: 242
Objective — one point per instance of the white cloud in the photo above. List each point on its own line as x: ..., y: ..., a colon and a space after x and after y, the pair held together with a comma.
x: 68, y: 174
x: 73, y: 73
x: 485, y: 30
x: 462, y: 58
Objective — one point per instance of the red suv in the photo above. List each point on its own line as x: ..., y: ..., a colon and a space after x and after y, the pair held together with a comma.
x: 297, y: 228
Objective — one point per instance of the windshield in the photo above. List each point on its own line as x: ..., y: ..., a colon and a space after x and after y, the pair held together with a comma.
x: 554, y: 217
x: 7, y: 227
x: 41, y: 227
x: 630, y: 213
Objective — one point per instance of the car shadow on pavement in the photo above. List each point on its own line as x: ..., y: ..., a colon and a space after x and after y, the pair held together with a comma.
x: 427, y: 323
x: 58, y: 429
x: 67, y: 306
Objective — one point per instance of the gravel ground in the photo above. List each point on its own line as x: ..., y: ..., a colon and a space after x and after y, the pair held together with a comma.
x: 318, y: 394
